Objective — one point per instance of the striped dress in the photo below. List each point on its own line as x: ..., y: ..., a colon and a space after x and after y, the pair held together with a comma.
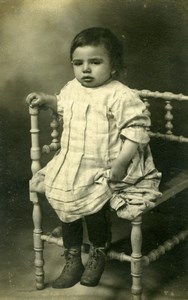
x: 96, y: 121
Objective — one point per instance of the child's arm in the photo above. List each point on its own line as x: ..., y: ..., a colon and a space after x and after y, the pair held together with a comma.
x: 41, y: 99
x: 120, y: 165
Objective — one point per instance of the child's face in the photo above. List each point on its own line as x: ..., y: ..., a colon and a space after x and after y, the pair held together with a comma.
x: 91, y: 65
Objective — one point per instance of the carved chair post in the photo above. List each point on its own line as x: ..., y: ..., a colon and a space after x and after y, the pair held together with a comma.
x: 136, y: 258
x: 37, y: 217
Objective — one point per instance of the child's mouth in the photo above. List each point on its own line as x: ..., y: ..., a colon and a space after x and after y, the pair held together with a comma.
x: 87, y: 78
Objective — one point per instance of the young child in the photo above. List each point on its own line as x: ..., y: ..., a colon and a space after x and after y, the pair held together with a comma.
x: 104, y: 157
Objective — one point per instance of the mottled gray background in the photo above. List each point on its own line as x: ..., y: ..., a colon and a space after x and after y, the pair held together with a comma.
x: 35, y: 38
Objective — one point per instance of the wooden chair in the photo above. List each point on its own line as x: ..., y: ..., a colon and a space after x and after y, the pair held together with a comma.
x: 170, y: 102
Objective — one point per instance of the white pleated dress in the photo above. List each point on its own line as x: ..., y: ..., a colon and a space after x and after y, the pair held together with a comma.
x: 95, y: 123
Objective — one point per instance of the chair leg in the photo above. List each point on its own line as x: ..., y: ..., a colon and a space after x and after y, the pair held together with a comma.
x: 38, y: 243
x: 136, y: 258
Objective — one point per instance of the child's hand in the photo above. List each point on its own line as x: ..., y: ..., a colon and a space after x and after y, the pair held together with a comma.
x: 117, y: 172
x: 36, y: 99
x: 37, y: 184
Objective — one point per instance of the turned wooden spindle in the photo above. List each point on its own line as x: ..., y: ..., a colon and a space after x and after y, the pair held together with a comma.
x: 121, y: 256
x: 168, y: 117
x: 35, y: 147
x: 38, y: 246
x: 55, y: 145
x: 53, y: 240
x: 37, y: 217
x: 161, y: 95
x: 136, y: 258
x: 166, y: 246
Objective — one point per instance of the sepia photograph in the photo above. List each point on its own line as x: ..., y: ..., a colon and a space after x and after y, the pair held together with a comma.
x: 94, y: 149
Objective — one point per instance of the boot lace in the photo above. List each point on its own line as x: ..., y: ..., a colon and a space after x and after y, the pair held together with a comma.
x: 69, y: 256
x: 94, y: 257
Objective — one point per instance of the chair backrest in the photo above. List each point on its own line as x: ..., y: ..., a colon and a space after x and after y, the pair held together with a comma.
x: 169, y: 103
x: 169, y: 100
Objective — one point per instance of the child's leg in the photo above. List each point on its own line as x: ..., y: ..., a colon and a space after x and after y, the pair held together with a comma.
x: 98, y: 232
x: 72, y: 234
x: 72, y: 237
x: 98, y: 226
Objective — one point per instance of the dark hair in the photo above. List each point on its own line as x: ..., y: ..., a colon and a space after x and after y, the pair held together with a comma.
x: 96, y: 36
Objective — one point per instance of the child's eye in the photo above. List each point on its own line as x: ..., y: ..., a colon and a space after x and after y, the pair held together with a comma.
x: 96, y: 62
x: 77, y: 62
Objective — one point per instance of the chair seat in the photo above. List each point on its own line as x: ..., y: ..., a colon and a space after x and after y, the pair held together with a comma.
x: 174, y: 186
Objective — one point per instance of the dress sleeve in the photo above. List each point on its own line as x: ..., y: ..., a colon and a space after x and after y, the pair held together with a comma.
x: 131, y: 117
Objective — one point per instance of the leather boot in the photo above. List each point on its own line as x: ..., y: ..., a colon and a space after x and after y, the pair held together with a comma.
x: 95, y: 267
x: 72, y: 270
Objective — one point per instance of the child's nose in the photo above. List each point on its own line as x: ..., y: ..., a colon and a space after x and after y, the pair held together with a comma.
x: 86, y: 68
